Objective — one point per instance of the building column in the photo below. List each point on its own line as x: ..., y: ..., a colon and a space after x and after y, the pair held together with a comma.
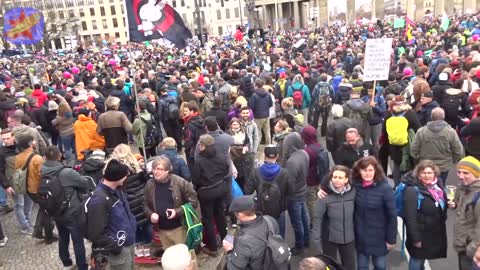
x: 280, y: 16
x: 469, y: 6
x: 323, y: 12
x: 419, y: 10
x: 350, y: 11
x: 411, y: 9
x: 448, y: 6
x: 296, y: 14
x: 379, y: 9
x: 439, y: 7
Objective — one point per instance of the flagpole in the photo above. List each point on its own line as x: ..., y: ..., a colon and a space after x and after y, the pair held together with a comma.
x: 137, y: 103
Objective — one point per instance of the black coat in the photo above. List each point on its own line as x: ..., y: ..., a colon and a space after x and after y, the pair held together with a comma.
x: 471, y: 133
x: 426, y: 225
x: 439, y: 90
x: 135, y: 186
x: 220, y: 115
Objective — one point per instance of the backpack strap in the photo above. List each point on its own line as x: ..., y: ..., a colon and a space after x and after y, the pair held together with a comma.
x: 27, y: 164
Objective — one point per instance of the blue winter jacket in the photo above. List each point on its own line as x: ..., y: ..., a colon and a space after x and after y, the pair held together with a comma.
x: 260, y: 103
x: 375, y: 218
x: 179, y: 165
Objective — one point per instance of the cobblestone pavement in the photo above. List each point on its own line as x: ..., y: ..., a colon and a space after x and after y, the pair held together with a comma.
x: 22, y: 252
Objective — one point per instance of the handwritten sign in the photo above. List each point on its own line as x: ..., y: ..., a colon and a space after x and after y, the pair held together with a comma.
x: 377, y: 59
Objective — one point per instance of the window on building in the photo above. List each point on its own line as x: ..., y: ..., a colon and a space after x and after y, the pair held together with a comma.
x: 94, y: 25
x: 219, y: 14
x: 107, y: 37
x: 104, y: 24
x: 92, y: 11
x: 100, y: 2
x: 220, y: 30
x: 123, y: 12
x: 117, y: 34
x: 71, y: 14
x: 112, y: 10
x: 61, y: 15
x: 182, y: 3
x: 236, y: 12
x: 82, y: 13
x: 111, y: 1
x: 227, y: 13
x: 115, y: 22
x: 84, y: 26
x: 174, y: 3
x: 124, y: 22
x: 102, y: 11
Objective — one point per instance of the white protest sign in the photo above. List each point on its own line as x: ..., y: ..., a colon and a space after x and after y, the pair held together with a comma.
x: 377, y: 59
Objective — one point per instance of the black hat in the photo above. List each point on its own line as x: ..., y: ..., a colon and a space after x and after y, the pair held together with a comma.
x: 242, y: 203
x: 428, y: 94
x: 270, y: 151
x: 115, y: 170
x: 84, y: 111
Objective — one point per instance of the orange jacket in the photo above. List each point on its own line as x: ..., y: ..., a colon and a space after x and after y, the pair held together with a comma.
x: 86, y: 136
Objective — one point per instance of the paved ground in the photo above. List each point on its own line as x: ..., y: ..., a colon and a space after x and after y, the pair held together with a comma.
x: 24, y: 253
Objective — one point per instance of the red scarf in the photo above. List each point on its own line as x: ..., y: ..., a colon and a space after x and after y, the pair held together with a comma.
x: 186, y: 119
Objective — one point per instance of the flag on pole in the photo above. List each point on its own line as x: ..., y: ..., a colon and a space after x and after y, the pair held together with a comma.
x: 23, y: 26
x: 154, y: 19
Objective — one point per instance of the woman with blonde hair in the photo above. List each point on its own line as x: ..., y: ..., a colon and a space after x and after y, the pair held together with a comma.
x: 134, y: 187
x: 235, y: 110
x: 294, y: 119
x: 301, y: 96
x: 64, y: 124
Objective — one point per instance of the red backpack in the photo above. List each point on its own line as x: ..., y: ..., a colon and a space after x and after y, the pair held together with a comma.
x: 297, y: 98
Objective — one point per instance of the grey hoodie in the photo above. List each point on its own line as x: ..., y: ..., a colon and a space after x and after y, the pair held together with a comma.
x: 73, y: 183
x: 296, y: 166
x: 438, y: 142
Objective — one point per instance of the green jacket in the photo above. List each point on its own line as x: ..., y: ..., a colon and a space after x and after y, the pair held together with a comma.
x: 139, y: 128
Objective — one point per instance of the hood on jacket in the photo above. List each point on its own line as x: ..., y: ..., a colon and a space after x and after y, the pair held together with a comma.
x: 261, y: 92
x: 8, y: 104
x: 196, y: 121
x: 170, y: 153
x: 296, y: 85
x: 453, y: 91
x: 358, y: 105
x: 309, y: 135
x: 292, y: 143
x: 50, y: 168
x: 269, y: 171
x: 84, y: 118
x: 331, y: 188
x: 401, y: 108
x: 437, y: 126
x: 146, y: 116
x: 345, y: 85
x: 92, y: 165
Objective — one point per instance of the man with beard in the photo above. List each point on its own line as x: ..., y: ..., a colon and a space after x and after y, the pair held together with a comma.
x: 353, y: 149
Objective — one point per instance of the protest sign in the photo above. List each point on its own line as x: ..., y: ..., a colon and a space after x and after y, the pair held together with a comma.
x: 377, y: 59
x: 399, y: 23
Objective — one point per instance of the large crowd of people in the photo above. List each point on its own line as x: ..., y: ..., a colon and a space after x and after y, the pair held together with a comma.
x: 149, y: 139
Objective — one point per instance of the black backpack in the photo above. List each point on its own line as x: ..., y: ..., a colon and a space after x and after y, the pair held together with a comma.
x: 152, y: 136
x: 277, y: 252
x: 52, y: 196
x: 269, y: 198
x: 81, y: 213
x: 452, y: 104
x: 172, y: 110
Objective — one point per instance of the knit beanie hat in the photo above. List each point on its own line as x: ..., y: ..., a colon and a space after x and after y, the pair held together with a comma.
x: 470, y: 164
x: 115, y: 170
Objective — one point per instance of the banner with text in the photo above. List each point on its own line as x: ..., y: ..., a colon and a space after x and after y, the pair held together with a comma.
x: 377, y: 59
